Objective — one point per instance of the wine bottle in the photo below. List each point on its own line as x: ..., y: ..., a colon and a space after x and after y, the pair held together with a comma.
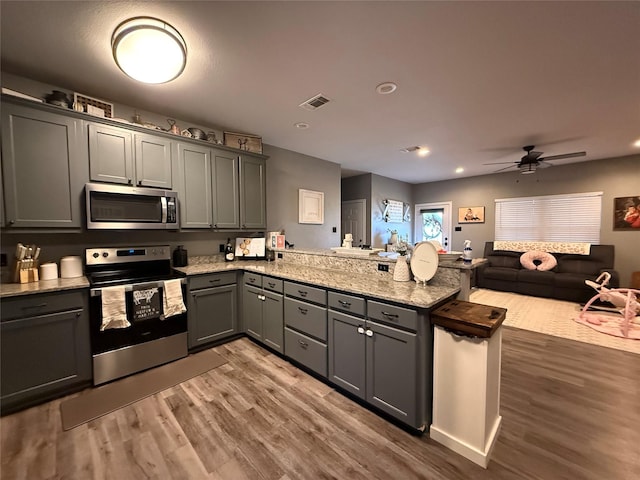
x: 229, y: 253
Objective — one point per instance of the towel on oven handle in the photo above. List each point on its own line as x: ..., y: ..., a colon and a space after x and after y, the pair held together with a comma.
x: 114, y: 308
x: 173, y: 303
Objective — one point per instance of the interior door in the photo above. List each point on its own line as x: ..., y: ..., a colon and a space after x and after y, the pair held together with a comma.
x: 353, y: 221
x: 433, y: 222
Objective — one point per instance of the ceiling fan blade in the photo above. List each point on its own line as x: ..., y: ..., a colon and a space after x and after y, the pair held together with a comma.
x: 505, y: 168
x: 533, y: 155
x: 498, y: 163
x: 565, y: 155
x: 543, y: 164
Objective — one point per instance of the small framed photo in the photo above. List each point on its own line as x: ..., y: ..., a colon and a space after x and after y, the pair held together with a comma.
x: 243, y: 141
x: 626, y: 213
x: 471, y: 215
x: 310, y: 207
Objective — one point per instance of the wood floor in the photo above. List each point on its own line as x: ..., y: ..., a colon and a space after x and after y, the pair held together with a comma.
x: 570, y: 411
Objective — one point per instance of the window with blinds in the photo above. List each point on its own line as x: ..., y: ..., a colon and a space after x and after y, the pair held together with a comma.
x: 574, y: 217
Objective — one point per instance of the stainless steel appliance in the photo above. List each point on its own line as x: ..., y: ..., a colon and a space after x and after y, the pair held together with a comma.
x: 151, y: 339
x: 122, y: 207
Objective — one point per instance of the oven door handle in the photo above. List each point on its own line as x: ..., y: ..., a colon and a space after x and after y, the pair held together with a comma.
x: 97, y: 292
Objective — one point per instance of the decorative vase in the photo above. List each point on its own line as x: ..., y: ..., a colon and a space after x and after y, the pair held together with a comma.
x: 401, y: 271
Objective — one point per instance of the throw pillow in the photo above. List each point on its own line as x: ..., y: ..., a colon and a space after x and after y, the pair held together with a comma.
x: 535, y: 259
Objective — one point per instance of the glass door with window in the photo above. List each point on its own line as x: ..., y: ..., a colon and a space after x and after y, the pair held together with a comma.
x: 433, y: 223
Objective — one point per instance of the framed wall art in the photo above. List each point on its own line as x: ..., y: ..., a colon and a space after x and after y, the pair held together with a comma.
x: 471, y: 215
x: 310, y: 206
x: 626, y: 213
x: 243, y: 141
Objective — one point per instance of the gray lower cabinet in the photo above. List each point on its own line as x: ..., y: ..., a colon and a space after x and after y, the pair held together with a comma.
x: 305, y: 317
x: 44, y: 161
x: 212, y: 311
x: 45, y: 347
x: 263, y: 311
x: 376, y: 357
x: 119, y: 155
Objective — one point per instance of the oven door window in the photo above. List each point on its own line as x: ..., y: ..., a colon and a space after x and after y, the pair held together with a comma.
x: 146, y: 325
x: 110, y: 207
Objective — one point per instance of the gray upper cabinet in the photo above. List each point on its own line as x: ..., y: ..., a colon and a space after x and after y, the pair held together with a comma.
x: 253, y: 188
x: 118, y: 155
x: 44, y: 161
x: 226, y: 200
x: 194, y: 185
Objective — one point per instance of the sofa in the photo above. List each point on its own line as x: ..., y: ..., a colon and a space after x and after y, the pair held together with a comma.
x: 566, y: 281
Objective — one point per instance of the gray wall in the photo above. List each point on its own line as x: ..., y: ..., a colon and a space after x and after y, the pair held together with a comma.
x: 287, y: 172
x: 616, y: 177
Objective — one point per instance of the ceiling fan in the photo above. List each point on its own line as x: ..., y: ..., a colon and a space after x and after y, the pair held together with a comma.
x: 533, y: 160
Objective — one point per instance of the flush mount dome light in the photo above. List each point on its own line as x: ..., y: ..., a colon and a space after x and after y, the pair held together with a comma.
x: 149, y: 50
x: 386, y: 88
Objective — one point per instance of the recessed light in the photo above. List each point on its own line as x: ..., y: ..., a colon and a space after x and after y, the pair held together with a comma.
x: 386, y: 88
x: 301, y: 125
x: 637, y: 143
x: 459, y: 170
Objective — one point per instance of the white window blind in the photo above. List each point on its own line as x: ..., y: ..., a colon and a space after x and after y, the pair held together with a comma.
x: 573, y: 217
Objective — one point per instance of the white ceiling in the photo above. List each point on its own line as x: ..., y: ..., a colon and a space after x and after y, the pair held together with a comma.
x: 476, y: 80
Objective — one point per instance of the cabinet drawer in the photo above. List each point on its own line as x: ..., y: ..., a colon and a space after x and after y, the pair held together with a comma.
x: 306, y: 350
x: 273, y: 284
x: 346, y: 303
x: 34, y: 305
x: 307, y: 318
x: 254, y: 279
x: 306, y: 293
x: 212, y: 280
x: 392, y: 315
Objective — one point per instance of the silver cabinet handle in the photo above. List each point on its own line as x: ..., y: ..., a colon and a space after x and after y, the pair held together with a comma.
x: 369, y: 333
x: 344, y: 304
x: 303, y: 310
x: 215, y: 280
x: 272, y: 285
x: 390, y: 315
x: 303, y: 293
x: 303, y: 344
x: 360, y: 330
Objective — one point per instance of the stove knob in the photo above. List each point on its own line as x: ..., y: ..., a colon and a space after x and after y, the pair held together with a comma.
x: 96, y: 255
x: 105, y: 254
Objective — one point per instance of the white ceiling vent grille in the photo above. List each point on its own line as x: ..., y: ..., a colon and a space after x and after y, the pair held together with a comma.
x: 315, y: 102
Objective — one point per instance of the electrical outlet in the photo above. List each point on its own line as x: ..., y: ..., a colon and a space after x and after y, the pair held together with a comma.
x: 335, y: 230
x: 458, y: 229
x: 279, y: 255
x: 383, y: 267
x: 222, y: 248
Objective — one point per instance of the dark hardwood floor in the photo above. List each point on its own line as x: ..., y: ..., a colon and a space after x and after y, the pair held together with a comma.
x: 570, y: 411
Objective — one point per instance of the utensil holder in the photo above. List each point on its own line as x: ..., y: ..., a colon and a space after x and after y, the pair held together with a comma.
x: 25, y: 271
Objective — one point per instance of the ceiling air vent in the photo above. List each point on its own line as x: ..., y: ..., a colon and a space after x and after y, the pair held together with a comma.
x: 314, y: 102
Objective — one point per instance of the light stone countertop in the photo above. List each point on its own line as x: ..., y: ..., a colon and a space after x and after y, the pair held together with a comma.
x: 407, y: 293
x: 43, y: 286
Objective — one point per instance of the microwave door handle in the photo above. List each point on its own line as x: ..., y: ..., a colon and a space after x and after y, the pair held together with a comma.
x: 163, y: 202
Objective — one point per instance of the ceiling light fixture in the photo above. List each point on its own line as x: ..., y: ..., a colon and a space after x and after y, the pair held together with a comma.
x: 386, y: 88
x: 301, y: 125
x: 637, y: 143
x: 528, y: 168
x: 149, y: 50
x: 423, y: 151
x: 459, y: 170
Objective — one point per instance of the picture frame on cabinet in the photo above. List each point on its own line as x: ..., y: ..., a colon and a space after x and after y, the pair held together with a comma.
x: 243, y: 141
x: 310, y: 207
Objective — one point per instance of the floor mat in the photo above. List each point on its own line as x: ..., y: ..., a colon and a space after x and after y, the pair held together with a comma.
x: 95, y: 402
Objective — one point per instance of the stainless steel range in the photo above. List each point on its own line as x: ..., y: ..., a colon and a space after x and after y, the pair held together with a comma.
x: 136, y: 315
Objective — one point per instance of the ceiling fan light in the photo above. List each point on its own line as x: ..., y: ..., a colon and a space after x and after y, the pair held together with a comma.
x: 528, y: 169
x: 149, y: 50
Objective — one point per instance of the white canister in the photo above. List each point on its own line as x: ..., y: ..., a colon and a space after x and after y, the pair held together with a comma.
x: 48, y: 271
x: 70, y: 267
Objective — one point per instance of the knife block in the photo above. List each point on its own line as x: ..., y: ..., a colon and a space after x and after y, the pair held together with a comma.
x: 25, y: 271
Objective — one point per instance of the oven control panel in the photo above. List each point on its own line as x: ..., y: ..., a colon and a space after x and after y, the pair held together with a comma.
x: 102, y: 256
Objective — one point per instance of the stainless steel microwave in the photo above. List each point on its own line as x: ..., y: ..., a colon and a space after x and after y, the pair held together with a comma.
x: 124, y: 208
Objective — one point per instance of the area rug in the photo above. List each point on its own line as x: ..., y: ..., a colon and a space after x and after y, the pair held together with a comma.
x: 549, y: 316
x: 95, y: 402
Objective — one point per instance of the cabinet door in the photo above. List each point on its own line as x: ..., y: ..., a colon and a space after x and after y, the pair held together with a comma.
x: 153, y: 161
x: 347, y: 352
x: 252, y: 311
x: 212, y: 315
x: 45, y: 168
x: 194, y: 186
x: 43, y: 354
x: 226, y: 209
x: 391, y: 372
x: 110, y: 154
x: 273, y: 321
x: 253, y: 211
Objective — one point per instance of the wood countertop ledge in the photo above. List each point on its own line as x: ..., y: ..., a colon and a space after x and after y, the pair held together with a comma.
x: 469, y: 319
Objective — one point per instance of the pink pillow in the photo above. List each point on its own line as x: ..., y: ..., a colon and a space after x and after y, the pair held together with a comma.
x: 547, y: 261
